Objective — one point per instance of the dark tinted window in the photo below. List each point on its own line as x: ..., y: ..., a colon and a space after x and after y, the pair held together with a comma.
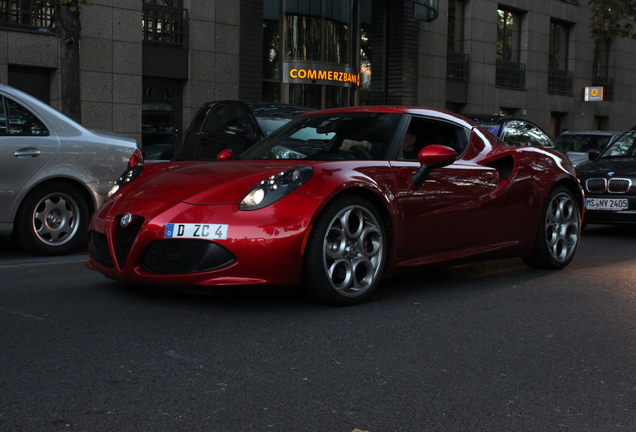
x: 223, y: 116
x: 330, y: 137
x: 3, y: 117
x: 582, y: 143
x: 24, y: 122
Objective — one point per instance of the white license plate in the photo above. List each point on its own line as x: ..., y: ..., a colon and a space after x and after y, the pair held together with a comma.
x: 606, y: 203
x: 196, y: 231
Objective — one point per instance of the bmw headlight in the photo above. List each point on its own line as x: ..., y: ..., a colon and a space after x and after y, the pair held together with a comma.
x: 129, y: 175
x: 275, y: 187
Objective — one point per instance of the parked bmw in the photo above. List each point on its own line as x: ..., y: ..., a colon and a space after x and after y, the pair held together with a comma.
x: 232, y: 125
x: 335, y: 201
x: 54, y: 173
x: 609, y: 181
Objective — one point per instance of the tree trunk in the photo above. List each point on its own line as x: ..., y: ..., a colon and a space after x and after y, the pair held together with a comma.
x: 70, y: 27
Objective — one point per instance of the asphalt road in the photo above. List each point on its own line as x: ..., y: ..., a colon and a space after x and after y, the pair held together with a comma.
x: 484, y: 347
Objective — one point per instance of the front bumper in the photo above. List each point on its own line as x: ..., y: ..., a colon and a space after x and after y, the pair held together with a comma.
x: 262, y: 247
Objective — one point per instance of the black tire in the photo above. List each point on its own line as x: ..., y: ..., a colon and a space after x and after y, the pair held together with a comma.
x: 52, y: 220
x: 559, y: 231
x: 346, y: 253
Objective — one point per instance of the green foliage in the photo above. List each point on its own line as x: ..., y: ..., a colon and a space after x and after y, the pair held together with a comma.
x: 75, y: 5
x: 612, y: 18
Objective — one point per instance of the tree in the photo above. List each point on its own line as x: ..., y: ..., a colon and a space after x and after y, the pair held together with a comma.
x: 69, y: 25
x: 612, y: 18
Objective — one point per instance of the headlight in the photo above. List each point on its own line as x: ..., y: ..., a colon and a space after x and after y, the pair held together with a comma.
x: 129, y: 175
x: 275, y: 187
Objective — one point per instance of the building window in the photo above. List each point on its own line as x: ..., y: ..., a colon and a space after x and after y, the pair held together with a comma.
x: 302, y: 40
x: 457, y: 61
x: 372, y: 52
x: 316, y: 32
x: 560, y: 79
x: 165, y: 21
x: 31, y: 80
x: 511, y: 72
x: 600, y: 68
x: 35, y: 13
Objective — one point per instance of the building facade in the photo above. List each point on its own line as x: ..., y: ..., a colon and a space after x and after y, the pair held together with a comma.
x: 147, y: 66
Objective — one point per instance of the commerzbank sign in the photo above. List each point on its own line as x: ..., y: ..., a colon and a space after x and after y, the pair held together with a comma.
x: 317, y: 73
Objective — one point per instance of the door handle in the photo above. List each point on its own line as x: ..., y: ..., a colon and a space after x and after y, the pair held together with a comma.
x: 27, y: 152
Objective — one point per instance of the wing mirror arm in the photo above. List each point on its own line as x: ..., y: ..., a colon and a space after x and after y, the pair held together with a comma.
x: 419, y: 177
x: 430, y: 157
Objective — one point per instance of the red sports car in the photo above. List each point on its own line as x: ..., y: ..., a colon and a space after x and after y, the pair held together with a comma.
x: 337, y: 200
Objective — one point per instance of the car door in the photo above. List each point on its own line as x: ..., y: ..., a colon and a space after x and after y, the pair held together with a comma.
x: 453, y: 209
x: 226, y: 125
x: 26, y: 145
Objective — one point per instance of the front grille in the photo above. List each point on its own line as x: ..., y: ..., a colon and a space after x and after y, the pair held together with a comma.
x: 99, y: 249
x: 125, y: 237
x: 618, y: 185
x: 596, y: 185
x: 185, y: 256
x: 609, y: 217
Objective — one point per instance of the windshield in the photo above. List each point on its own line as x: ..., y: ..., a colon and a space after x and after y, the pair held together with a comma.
x: 582, y: 142
x: 354, y: 136
x: 624, y: 146
x: 270, y: 124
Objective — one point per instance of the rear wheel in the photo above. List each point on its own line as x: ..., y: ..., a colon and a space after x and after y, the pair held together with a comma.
x: 345, y: 254
x: 52, y: 220
x: 558, y: 233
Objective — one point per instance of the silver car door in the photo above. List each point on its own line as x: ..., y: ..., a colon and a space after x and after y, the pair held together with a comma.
x: 26, y: 145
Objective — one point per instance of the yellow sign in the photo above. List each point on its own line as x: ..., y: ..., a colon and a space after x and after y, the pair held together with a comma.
x: 324, y: 75
x: 593, y: 94
x: 298, y: 72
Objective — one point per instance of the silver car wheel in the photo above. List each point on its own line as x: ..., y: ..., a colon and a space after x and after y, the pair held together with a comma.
x: 562, y: 227
x: 56, y: 219
x: 353, y: 251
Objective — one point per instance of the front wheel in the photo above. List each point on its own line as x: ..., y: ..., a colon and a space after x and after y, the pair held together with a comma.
x: 52, y: 220
x: 558, y: 233
x: 345, y: 254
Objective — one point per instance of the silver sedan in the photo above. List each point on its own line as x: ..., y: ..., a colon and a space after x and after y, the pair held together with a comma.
x: 54, y: 173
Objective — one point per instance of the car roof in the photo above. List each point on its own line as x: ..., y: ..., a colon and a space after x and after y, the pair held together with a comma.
x: 399, y: 109
x: 489, y: 119
x: 276, y: 109
x: 590, y: 132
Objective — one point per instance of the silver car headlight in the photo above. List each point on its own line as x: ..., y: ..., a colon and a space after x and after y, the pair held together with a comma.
x: 276, y: 187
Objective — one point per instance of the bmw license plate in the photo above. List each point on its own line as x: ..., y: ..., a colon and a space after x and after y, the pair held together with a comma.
x: 614, y: 204
x: 196, y: 231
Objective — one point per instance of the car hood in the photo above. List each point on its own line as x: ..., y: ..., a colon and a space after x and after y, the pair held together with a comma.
x: 202, y: 182
x: 624, y: 166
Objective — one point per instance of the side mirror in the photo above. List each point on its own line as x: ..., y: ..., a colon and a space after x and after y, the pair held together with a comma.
x: 593, y: 154
x: 430, y: 157
x: 224, y: 155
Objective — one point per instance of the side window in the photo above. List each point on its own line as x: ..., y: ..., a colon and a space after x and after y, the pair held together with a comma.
x: 22, y: 121
x: 520, y: 133
x: 3, y: 117
x: 223, y: 116
x: 423, y: 132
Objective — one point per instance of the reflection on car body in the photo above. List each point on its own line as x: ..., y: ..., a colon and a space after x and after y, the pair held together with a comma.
x: 332, y: 204
x: 514, y: 131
